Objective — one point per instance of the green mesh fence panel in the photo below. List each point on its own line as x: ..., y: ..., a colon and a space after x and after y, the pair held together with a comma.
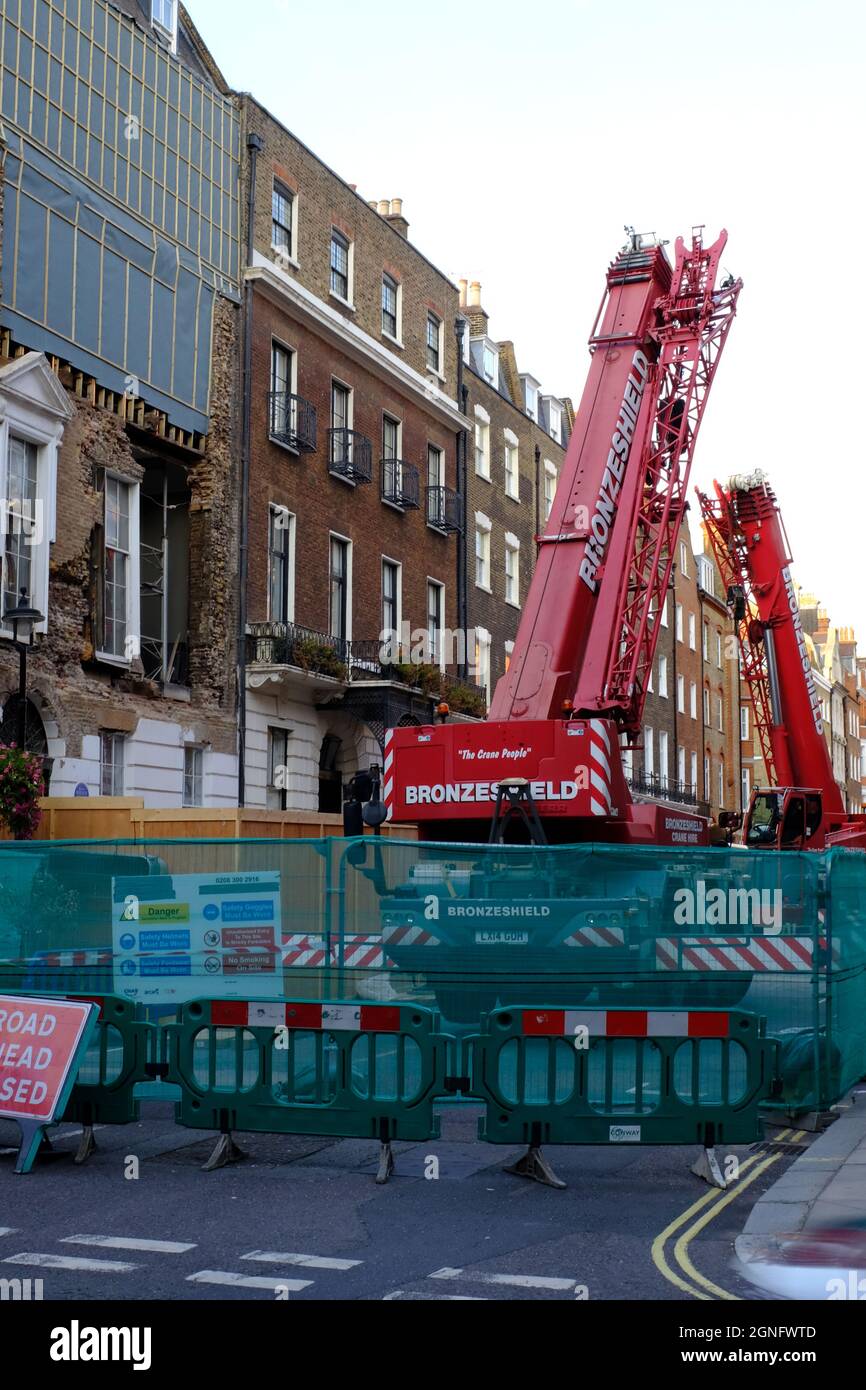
x: 462, y: 928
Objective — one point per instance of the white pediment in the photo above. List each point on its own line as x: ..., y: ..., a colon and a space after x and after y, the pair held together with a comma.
x: 29, y: 380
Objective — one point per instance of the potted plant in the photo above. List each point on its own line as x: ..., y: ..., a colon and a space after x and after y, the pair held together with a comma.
x: 312, y: 654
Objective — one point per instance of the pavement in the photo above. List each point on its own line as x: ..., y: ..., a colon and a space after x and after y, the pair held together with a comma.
x: 809, y: 1228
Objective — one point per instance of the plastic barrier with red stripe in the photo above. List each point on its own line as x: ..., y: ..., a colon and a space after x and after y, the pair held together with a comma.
x: 620, y: 1076
x: 344, y: 1069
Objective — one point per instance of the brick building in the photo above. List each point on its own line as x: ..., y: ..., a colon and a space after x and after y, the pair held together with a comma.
x: 354, y: 511
x: 119, y: 244
x: 837, y: 668
x: 517, y: 445
x: 724, y: 727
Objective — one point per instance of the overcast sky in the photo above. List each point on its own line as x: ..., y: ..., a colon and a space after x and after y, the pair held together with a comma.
x: 522, y: 137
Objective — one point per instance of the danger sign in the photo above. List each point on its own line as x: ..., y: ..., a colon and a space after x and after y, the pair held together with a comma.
x: 40, y: 1040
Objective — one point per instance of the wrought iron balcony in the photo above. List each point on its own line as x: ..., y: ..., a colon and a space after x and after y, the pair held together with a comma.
x: 667, y: 789
x: 286, y: 644
x: 400, y: 483
x: 293, y: 421
x: 444, y: 509
x: 358, y: 662
x: 350, y: 455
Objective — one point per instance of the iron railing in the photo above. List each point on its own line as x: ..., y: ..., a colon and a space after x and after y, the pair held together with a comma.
x: 444, y: 509
x: 320, y: 653
x: 667, y: 789
x: 292, y: 421
x: 400, y: 483
x: 350, y: 455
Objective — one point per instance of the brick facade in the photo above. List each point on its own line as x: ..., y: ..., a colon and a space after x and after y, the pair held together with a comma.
x: 505, y: 508
x: 310, y: 718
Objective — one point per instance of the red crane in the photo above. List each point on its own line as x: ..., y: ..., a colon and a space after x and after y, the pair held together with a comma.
x: 804, y: 807
x: 577, y: 680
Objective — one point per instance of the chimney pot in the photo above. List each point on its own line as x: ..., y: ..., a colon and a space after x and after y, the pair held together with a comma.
x: 372, y: 203
x: 396, y: 207
x: 463, y: 286
x: 384, y: 207
x: 475, y: 295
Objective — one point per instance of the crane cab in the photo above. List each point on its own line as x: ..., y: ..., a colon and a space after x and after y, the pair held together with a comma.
x: 784, y: 818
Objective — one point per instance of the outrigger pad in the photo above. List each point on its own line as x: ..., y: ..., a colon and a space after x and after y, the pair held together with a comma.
x: 534, y: 1165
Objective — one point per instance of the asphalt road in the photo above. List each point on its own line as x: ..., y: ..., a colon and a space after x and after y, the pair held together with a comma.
x: 329, y: 1232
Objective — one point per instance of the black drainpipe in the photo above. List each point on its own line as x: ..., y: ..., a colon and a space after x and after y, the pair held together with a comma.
x: 537, y: 491
x: 462, y: 593
x: 255, y: 144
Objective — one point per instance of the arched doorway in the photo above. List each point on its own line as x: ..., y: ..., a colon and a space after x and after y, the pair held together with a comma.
x: 35, y: 737
x: 330, y: 775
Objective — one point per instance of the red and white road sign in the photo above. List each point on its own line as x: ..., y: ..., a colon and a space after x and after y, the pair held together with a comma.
x: 39, y: 1043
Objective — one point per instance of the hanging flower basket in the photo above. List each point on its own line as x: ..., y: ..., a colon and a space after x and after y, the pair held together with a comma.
x: 20, y: 790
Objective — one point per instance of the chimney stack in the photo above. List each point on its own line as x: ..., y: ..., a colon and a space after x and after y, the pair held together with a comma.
x: 477, y: 318
x: 394, y: 215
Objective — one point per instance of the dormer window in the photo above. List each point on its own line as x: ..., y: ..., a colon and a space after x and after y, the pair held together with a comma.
x: 163, y: 16
x: 485, y: 359
x: 555, y: 423
x: 491, y: 365
x: 530, y: 396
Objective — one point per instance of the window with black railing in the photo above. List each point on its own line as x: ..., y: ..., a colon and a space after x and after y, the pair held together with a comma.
x: 400, y: 483
x: 350, y: 455
x: 292, y: 421
x: 444, y: 509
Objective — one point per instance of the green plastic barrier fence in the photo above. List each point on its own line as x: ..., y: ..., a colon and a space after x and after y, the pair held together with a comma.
x: 595, y: 1076
x: 346, y: 1070
x: 119, y: 1057
x: 463, y: 929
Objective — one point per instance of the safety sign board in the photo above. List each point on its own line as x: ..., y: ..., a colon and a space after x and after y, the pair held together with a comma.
x: 182, y: 936
x: 42, y: 1042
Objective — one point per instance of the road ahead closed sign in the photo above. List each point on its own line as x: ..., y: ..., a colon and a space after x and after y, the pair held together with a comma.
x: 42, y: 1042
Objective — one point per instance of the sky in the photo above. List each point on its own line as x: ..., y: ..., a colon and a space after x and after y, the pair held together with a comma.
x: 523, y: 138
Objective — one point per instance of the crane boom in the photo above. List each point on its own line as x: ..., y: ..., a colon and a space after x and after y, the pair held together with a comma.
x: 745, y: 530
x: 607, y: 551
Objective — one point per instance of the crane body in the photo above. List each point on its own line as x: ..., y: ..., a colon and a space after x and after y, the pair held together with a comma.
x: 804, y: 808
x: 576, y: 684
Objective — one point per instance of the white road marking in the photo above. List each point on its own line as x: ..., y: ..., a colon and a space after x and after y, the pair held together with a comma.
x: 157, y: 1247
x: 275, y: 1257
x: 27, y: 1257
x: 521, y: 1281
x: 247, y: 1281
x: 441, y: 1298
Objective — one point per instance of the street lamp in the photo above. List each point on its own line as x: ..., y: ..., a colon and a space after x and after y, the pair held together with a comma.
x: 22, y: 619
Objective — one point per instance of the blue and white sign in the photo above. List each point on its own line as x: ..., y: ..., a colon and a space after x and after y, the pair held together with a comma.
x: 185, y: 936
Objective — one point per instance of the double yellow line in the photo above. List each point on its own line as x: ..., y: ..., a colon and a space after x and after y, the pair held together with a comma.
x: 704, y: 1210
